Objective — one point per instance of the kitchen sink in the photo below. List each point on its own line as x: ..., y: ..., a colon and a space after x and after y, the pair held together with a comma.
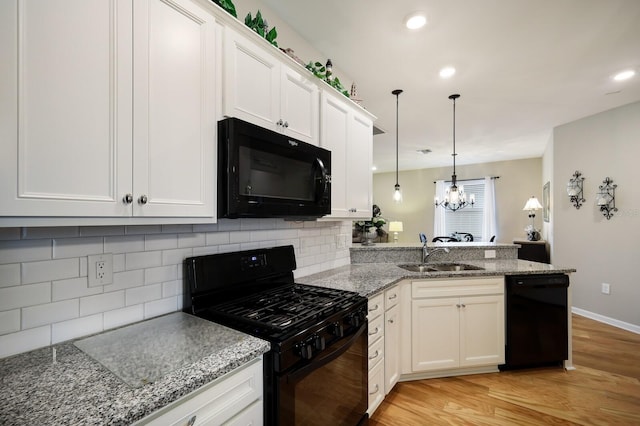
x: 439, y: 267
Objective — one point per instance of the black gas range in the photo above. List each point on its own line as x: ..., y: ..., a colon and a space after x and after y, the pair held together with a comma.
x: 316, y: 369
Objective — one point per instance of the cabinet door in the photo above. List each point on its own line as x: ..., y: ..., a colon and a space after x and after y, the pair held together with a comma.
x: 65, y: 115
x: 359, y: 159
x: 435, y: 334
x: 299, y: 105
x: 251, y: 82
x: 481, y: 330
x: 392, y: 348
x: 174, y: 109
x: 334, y: 137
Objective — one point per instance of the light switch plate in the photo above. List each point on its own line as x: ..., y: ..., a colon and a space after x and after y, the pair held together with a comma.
x: 100, y: 269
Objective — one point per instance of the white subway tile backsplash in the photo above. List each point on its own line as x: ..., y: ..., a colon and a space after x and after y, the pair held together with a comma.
x: 118, y: 262
x: 172, y: 288
x: 124, y: 244
x: 123, y: 316
x: 126, y: 279
x: 76, y: 247
x: 24, y: 251
x: 143, y: 294
x: 50, y: 232
x: 101, y: 231
x: 160, y: 274
x: 143, y: 229
x: 72, y: 288
x: 48, y: 270
x: 191, y: 240
x: 9, y: 321
x: 35, y: 316
x: 161, y: 242
x: 229, y: 224
x: 23, y: 341
x: 202, y: 251
x: 9, y: 274
x: 143, y: 259
x: 24, y: 295
x: 7, y: 234
x: 217, y: 238
x: 177, y: 229
x: 101, y: 302
x: 161, y: 307
x: 207, y: 227
x: 75, y: 328
x: 176, y: 257
x: 240, y: 237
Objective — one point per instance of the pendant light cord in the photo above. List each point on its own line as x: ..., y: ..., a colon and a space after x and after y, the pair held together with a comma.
x: 454, y: 97
x: 397, y: 103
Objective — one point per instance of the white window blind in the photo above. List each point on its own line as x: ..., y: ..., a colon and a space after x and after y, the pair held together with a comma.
x: 468, y: 219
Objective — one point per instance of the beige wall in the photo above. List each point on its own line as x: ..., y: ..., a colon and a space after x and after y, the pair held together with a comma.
x: 602, y: 251
x: 519, y: 180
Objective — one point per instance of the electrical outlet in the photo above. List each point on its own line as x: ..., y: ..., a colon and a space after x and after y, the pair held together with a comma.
x: 100, y: 269
x: 606, y: 288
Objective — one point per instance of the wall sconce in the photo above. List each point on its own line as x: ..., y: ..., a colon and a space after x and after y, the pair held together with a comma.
x: 395, y: 227
x: 606, y: 198
x: 574, y: 189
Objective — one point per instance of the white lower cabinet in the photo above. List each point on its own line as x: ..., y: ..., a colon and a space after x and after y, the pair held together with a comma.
x: 233, y: 399
x: 457, y: 324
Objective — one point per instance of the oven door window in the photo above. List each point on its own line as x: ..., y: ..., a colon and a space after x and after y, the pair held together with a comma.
x: 333, y: 394
x: 271, y: 175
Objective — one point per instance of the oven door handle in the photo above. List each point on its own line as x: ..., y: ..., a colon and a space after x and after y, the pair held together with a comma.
x: 321, y: 361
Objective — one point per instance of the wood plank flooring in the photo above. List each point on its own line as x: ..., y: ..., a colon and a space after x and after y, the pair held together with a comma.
x: 604, y: 389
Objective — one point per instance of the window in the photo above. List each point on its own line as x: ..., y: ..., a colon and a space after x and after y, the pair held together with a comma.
x: 469, y: 219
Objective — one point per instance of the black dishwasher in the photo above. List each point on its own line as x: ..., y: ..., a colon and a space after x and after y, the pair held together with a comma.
x: 536, y: 320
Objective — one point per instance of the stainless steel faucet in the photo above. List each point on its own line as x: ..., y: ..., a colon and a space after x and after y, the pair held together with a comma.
x: 426, y: 253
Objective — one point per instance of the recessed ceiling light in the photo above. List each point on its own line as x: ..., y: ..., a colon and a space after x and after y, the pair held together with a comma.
x: 447, y: 72
x: 624, y: 75
x: 424, y: 151
x: 415, y: 21
x: 374, y: 168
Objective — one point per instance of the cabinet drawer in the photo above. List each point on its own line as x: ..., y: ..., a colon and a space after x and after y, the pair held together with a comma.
x: 376, y: 352
x: 376, y: 387
x: 457, y: 287
x: 216, y: 403
x: 391, y: 297
x: 375, y: 306
x: 376, y: 329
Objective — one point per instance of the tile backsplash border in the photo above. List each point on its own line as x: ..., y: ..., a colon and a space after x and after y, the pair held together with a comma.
x: 44, y: 294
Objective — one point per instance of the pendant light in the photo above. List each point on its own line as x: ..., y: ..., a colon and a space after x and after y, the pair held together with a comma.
x: 455, y: 197
x: 397, y: 194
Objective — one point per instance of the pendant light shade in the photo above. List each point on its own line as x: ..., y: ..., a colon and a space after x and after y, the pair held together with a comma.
x: 455, y: 198
x: 397, y: 193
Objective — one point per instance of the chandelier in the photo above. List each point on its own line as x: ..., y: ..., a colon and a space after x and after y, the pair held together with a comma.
x: 455, y: 198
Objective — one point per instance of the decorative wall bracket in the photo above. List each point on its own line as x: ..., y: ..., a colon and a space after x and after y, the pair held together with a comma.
x: 606, y: 198
x: 575, y: 191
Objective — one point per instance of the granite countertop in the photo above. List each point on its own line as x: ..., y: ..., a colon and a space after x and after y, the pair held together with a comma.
x: 77, y: 389
x: 368, y: 279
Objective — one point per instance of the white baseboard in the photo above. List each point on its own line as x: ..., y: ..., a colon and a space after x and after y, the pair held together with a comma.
x: 611, y: 321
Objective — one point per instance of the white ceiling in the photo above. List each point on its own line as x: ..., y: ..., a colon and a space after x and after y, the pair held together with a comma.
x: 523, y: 67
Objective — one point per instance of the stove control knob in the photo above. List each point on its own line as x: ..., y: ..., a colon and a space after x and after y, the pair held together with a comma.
x: 319, y: 343
x: 305, y: 350
x: 354, y: 320
x: 337, y: 329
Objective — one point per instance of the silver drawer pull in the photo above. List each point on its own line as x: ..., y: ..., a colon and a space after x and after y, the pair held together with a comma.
x: 393, y: 296
x: 375, y: 391
x: 374, y: 332
x: 191, y: 421
x: 391, y: 321
x: 375, y: 308
x: 374, y: 356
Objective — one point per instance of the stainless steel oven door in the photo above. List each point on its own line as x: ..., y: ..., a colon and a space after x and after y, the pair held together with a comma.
x: 332, y: 389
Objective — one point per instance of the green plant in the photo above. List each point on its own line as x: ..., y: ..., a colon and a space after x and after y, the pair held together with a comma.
x: 320, y: 71
x: 259, y: 25
x: 228, y: 6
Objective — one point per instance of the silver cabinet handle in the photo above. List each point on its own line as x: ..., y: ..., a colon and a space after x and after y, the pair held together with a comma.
x: 391, y: 321
x: 461, y: 305
x: 143, y: 200
x: 279, y: 122
x: 374, y: 356
x: 286, y: 124
x: 393, y: 296
x: 457, y: 305
x: 375, y: 391
x: 464, y: 306
x: 374, y: 332
x: 127, y: 199
x: 191, y: 421
x: 375, y: 308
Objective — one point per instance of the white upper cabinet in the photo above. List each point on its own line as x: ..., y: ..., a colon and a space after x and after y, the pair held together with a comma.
x: 260, y: 89
x: 106, y: 101
x: 348, y: 134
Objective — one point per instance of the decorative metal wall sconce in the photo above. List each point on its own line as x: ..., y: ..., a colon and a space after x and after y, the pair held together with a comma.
x: 606, y: 198
x: 574, y: 189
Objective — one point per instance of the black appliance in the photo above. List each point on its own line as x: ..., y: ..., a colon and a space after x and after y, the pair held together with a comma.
x: 262, y: 173
x: 536, y: 320
x: 316, y: 371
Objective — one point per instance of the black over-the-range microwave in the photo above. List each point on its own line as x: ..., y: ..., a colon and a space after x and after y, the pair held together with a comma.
x: 262, y: 173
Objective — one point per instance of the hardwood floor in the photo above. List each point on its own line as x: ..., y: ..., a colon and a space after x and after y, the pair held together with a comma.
x: 604, y: 389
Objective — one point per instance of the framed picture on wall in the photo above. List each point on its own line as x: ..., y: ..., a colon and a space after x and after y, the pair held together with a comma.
x: 545, y: 202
